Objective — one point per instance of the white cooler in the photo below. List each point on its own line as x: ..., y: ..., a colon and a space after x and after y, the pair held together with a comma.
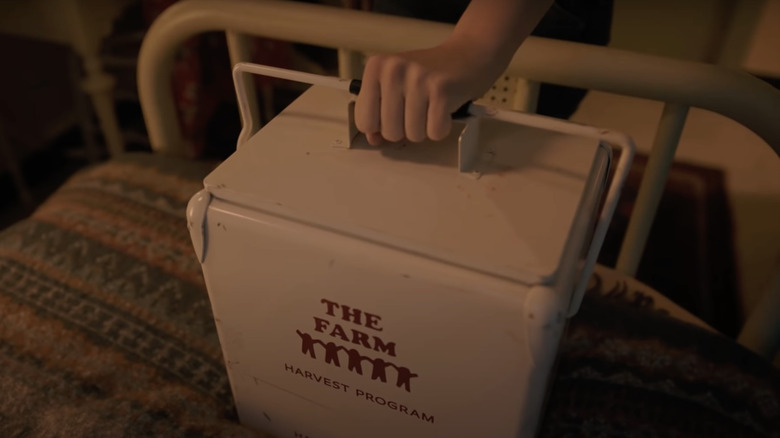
x: 411, y: 290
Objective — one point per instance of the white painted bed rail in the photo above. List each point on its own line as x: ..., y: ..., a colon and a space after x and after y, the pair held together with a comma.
x: 734, y: 94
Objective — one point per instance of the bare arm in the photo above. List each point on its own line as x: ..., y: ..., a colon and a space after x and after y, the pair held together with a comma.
x: 411, y: 95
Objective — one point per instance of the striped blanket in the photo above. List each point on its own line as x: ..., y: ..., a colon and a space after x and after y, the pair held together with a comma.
x: 107, y: 331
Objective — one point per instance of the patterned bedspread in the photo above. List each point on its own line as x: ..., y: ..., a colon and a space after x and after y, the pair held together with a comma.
x: 107, y: 331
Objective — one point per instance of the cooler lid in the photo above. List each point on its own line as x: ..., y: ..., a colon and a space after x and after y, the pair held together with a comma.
x: 511, y: 218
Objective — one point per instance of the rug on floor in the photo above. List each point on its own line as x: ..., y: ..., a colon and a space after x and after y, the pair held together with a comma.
x: 689, y: 255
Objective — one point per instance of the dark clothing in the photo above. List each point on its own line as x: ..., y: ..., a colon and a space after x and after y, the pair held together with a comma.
x: 583, y: 21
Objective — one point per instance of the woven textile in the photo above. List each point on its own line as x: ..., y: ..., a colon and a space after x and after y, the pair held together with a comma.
x: 107, y: 331
x: 633, y: 364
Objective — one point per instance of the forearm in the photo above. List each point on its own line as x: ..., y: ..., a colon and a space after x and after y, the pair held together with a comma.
x: 496, y: 28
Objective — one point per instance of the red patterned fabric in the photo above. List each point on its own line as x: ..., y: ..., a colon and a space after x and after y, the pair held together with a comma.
x: 200, y: 77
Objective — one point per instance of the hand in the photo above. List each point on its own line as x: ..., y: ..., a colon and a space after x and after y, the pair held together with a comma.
x: 412, y: 95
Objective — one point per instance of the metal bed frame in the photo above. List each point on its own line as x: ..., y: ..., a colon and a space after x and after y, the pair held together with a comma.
x: 679, y: 84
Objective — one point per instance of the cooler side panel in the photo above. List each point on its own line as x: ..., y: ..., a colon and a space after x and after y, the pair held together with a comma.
x: 327, y: 336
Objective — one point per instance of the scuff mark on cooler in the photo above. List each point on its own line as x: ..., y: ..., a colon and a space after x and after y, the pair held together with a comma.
x: 258, y: 381
x: 514, y: 337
